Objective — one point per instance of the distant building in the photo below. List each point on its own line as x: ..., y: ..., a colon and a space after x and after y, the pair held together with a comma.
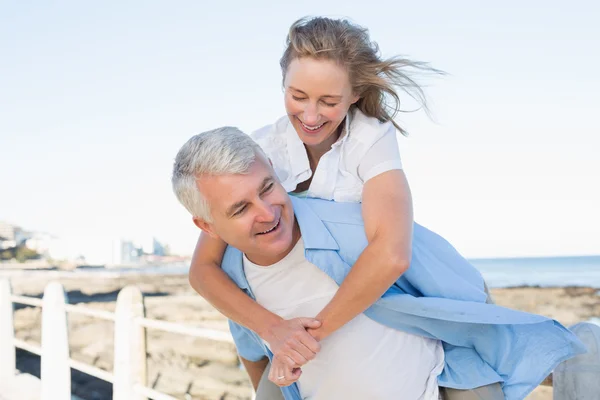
x: 147, y: 251
x: 7, y: 244
x: 158, y: 249
x: 11, y: 235
x: 7, y: 235
x: 130, y: 253
x: 9, y: 232
x: 44, y: 244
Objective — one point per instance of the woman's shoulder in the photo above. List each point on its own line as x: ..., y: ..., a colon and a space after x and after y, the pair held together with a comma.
x: 269, y: 133
x: 367, y: 130
x: 273, y: 140
x: 371, y: 148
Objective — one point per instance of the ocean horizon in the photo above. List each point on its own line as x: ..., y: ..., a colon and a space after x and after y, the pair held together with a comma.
x: 540, y: 271
x: 583, y: 271
x: 497, y: 272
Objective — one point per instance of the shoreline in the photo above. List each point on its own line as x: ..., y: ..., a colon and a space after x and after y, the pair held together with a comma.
x: 137, y: 274
x: 180, y: 365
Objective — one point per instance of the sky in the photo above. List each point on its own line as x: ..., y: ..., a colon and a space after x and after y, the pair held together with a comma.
x: 96, y: 98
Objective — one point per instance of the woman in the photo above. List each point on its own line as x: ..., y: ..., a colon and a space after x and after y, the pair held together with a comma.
x: 337, y: 142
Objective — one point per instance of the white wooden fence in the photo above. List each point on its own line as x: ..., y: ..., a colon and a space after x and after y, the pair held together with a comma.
x: 129, y: 377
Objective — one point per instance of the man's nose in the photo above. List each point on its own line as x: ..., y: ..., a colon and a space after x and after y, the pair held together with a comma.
x: 266, y: 212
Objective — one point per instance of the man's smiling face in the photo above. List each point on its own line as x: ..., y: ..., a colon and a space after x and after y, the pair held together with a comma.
x: 251, y: 212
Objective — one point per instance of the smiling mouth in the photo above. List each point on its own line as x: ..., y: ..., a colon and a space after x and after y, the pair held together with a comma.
x: 311, y: 128
x: 271, y: 229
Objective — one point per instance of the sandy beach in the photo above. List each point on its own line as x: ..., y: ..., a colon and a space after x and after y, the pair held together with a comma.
x: 190, y: 368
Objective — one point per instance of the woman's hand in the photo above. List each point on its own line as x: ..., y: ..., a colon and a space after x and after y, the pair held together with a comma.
x: 290, y: 342
x: 284, y: 371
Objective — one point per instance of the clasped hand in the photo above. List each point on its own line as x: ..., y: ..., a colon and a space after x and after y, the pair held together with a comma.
x: 294, y: 342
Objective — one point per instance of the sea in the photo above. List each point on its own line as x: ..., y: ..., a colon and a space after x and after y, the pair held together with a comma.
x: 497, y: 272
x: 540, y: 271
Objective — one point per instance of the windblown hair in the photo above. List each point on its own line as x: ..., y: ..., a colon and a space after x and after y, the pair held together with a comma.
x: 373, y: 79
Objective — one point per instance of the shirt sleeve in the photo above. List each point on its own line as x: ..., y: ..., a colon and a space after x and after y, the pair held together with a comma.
x: 381, y: 157
x: 246, y: 345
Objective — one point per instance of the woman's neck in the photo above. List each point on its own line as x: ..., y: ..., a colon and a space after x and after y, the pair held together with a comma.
x: 316, y: 152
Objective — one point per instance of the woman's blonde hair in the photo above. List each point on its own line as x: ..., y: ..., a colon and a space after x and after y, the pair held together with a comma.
x: 373, y: 79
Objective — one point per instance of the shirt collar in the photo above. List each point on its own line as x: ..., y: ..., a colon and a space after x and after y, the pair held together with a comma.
x: 314, y: 232
x: 346, y: 131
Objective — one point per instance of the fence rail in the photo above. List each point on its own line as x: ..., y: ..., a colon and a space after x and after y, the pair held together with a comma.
x: 129, y: 376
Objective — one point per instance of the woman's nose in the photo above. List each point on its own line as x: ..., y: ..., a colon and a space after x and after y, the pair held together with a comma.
x: 311, y: 115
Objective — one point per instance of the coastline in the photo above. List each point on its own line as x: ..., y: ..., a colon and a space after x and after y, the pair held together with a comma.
x: 206, y: 370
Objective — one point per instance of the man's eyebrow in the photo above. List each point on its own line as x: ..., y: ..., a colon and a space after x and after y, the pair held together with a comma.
x: 331, y: 96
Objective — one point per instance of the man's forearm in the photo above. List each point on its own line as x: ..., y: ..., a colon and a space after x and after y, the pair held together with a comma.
x: 231, y: 301
x: 255, y: 370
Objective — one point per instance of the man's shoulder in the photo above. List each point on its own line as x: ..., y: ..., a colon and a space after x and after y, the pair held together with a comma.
x: 232, y: 265
x: 334, y: 212
x: 330, y: 225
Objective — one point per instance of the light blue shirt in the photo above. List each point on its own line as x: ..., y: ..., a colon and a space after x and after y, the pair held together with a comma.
x: 441, y: 296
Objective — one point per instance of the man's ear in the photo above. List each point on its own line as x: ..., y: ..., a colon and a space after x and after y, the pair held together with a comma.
x: 205, y: 226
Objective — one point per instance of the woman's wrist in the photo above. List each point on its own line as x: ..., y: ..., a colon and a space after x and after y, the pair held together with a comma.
x: 266, y: 324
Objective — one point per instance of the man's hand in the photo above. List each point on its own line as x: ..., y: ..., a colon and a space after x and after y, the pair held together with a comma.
x: 282, y: 375
x: 291, y: 344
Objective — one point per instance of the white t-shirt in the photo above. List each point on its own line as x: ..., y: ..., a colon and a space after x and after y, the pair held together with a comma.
x: 365, y: 149
x: 361, y: 360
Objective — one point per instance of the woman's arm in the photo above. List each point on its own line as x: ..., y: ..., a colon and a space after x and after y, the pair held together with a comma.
x: 287, y: 338
x: 388, y: 217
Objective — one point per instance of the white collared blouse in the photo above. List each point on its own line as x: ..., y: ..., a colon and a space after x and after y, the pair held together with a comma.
x: 365, y: 149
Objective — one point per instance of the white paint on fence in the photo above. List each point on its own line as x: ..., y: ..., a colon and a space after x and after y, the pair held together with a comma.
x: 55, y: 368
x: 130, y: 345
x: 129, y: 376
x: 7, y: 333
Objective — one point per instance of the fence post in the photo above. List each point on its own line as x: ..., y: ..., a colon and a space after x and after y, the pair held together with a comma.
x: 55, y: 369
x: 130, y: 345
x: 7, y: 333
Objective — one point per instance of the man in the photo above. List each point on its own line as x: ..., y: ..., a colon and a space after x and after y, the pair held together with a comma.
x: 290, y: 255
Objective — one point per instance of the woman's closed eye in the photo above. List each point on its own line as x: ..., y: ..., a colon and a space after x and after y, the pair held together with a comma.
x: 324, y: 102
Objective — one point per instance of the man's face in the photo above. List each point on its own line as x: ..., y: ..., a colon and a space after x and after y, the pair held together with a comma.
x: 251, y: 212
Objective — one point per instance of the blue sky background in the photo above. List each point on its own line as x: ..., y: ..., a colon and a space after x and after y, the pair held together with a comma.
x: 97, y: 97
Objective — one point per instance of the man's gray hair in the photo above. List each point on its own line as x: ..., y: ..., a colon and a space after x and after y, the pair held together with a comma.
x: 222, y: 151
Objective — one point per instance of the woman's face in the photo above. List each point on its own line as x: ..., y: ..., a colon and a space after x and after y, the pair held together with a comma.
x: 318, y: 95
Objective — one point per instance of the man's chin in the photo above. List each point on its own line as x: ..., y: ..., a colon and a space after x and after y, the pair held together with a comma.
x: 278, y: 247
